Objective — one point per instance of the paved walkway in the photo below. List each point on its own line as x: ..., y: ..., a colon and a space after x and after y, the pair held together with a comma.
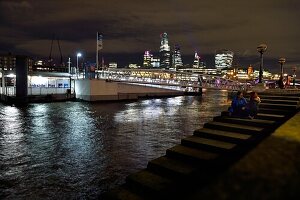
x: 269, y: 171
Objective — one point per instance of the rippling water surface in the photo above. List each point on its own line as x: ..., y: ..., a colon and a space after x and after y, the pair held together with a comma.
x: 79, y: 150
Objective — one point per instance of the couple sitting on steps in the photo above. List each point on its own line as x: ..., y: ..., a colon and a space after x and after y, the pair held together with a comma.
x: 241, y: 108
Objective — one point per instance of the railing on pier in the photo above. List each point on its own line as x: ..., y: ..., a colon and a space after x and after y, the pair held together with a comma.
x: 11, y: 90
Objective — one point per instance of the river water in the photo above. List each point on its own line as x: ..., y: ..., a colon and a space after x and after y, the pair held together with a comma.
x: 78, y: 150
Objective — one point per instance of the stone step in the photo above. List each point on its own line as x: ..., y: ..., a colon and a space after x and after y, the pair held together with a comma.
x: 272, y: 117
x: 275, y: 111
x: 280, y: 101
x: 121, y: 193
x: 234, y: 127
x: 282, y: 93
x: 226, y: 136
x: 206, y: 144
x: 245, y: 121
x: 171, y: 167
x: 278, y: 106
x: 148, y: 183
x: 276, y: 97
x: 192, y: 155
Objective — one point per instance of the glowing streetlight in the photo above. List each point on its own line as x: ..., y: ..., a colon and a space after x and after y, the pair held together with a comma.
x: 281, y: 61
x: 77, y: 69
x: 261, y: 49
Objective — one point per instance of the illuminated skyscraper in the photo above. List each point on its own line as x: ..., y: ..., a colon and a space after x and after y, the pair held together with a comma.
x: 147, y: 59
x: 223, y: 59
x: 155, y: 61
x: 177, y: 61
x: 164, y: 51
x: 198, y: 62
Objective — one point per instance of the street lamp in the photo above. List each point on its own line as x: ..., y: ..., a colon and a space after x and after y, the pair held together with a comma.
x: 261, y: 49
x: 294, y: 77
x: 77, y: 69
x: 281, y: 61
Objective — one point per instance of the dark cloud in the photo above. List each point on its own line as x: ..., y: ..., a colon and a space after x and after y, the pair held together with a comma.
x: 130, y: 27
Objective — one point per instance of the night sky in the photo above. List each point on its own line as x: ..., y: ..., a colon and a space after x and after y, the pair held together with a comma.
x: 130, y: 27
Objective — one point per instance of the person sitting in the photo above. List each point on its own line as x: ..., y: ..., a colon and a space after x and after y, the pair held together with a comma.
x: 252, y: 105
x: 238, y: 106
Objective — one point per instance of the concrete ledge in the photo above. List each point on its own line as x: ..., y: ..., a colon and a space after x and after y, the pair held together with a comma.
x: 127, y: 96
x: 101, y: 90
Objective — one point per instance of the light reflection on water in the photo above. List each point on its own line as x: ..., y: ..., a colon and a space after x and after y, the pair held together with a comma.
x: 78, y: 150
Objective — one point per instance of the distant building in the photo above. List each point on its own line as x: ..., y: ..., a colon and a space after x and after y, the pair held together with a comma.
x: 177, y: 61
x: 229, y: 72
x: 164, y: 51
x: 208, y: 71
x: 223, y: 59
x: 242, y: 74
x: 8, y: 62
x: 112, y: 65
x: 155, y: 62
x: 147, y: 59
x: 133, y: 66
x: 266, y: 74
x: 250, y: 70
x: 41, y: 65
x: 198, y: 64
x: 150, y: 61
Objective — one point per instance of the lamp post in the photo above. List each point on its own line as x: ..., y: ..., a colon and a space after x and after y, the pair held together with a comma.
x: 69, y: 65
x: 261, y: 49
x: 77, y: 68
x: 294, y: 77
x: 281, y: 61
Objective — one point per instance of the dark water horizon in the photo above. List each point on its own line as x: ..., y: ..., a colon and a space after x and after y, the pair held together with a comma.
x: 78, y: 150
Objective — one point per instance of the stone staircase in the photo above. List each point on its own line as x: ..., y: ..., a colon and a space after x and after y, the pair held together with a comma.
x: 208, y: 152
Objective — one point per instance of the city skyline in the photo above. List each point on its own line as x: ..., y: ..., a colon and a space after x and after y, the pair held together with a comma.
x: 129, y: 28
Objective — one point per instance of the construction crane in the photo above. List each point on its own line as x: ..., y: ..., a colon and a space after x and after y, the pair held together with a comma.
x: 50, y: 60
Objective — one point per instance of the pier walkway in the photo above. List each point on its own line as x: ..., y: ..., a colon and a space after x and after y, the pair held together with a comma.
x: 229, y: 158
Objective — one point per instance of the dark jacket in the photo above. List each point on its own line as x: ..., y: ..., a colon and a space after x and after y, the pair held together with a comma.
x: 238, y: 106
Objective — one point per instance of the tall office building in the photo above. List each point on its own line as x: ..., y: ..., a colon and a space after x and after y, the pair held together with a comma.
x: 198, y: 63
x: 147, y: 59
x: 176, y: 61
x: 196, y: 60
x: 164, y: 51
x: 223, y: 59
